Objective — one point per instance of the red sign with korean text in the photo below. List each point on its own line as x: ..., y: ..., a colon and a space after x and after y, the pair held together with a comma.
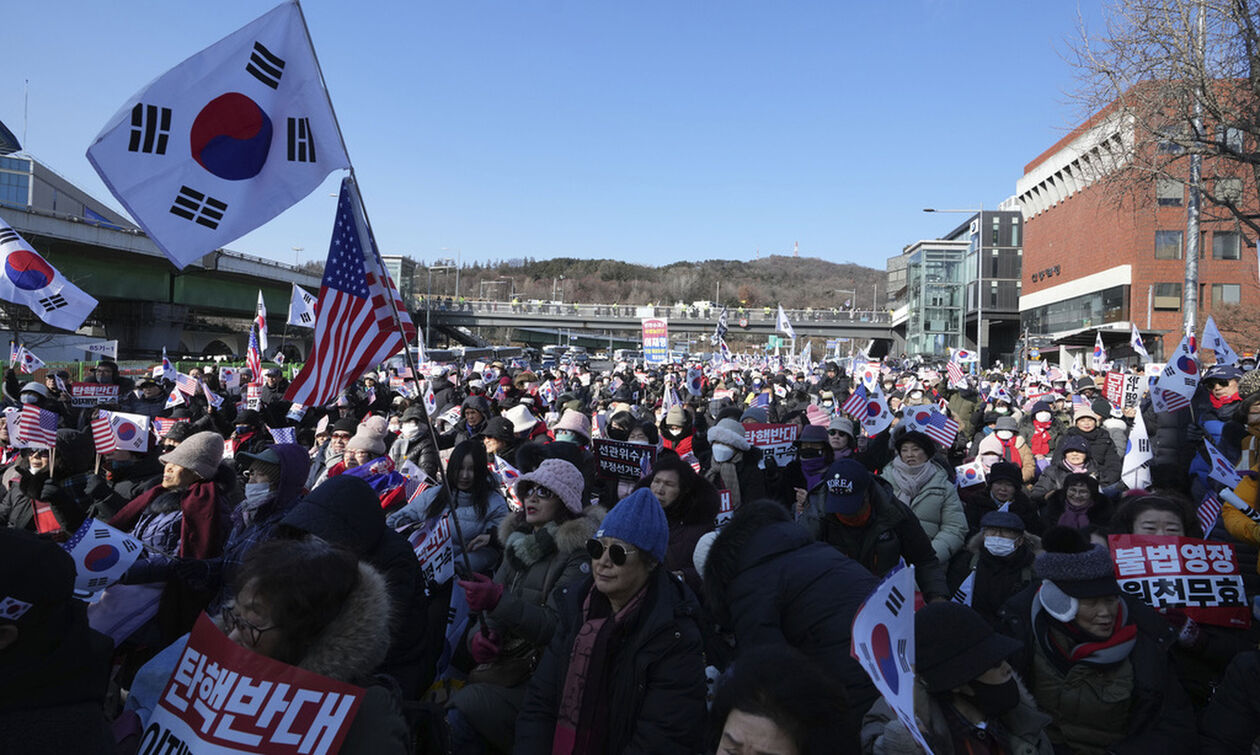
x: 1196, y: 577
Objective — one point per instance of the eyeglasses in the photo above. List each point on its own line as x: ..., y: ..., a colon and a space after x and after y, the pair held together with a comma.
x: 836, y: 432
x: 617, y: 552
x: 232, y: 622
x: 526, y: 489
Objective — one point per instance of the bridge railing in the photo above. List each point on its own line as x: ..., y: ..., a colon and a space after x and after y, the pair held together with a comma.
x: 623, y: 311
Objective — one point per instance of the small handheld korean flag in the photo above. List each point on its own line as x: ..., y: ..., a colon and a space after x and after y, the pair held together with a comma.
x: 1139, y: 348
x: 27, y: 362
x: 1213, y: 339
x: 29, y: 280
x: 224, y: 141
x: 1100, y: 353
x: 1136, y: 472
x: 101, y: 555
x: 883, y: 642
x: 301, y: 308
x: 131, y: 431
x: 260, y: 319
x: 1177, y: 382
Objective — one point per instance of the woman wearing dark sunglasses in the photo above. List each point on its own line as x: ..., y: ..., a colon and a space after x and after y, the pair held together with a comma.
x: 544, y: 549
x: 625, y: 669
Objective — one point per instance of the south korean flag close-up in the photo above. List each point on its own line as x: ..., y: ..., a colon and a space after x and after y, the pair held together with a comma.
x: 224, y: 141
x: 29, y: 280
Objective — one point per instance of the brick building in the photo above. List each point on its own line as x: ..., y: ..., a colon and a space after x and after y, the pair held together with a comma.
x: 1105, y: 241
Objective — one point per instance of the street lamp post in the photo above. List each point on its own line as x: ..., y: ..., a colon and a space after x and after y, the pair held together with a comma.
x: 979, y: 213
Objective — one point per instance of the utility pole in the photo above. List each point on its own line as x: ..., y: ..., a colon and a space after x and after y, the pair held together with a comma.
x: 1190, y: 307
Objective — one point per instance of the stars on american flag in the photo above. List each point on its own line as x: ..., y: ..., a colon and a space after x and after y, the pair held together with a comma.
x: 346, y: 270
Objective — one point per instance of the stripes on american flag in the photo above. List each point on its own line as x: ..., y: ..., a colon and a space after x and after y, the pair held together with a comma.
x: 355, y: 327
x: 37, y: 427
x: 955, y: 372
x: 855, y: 404
x: 935, y: 425
x: 253, y: 359
x: 161, y: 425
x: 1209, y: 511
x: 186, y: 383
x: 103, y: 433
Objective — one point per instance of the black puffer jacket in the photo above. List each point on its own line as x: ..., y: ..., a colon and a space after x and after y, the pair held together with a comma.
x: 1102, y: 451
x: 771, y: 584
x: 656, y: 693
x: 1231, y: 722
x: 347, y: 512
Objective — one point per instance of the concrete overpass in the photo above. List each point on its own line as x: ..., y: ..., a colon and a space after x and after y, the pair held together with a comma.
x: 145, y: 303
x: 592, y: 320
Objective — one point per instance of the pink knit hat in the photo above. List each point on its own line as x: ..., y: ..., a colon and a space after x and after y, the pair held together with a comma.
x: 575, y: 421
x: 561, y: 478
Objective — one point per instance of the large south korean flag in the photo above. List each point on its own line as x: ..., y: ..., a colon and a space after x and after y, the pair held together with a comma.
x: 224, y: 141
x: 28, y: 279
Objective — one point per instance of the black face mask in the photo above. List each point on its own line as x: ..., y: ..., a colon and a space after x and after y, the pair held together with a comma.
x: 618, y: 433
x: 995, y: 700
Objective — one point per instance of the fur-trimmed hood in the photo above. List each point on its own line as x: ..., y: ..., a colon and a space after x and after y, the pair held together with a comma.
x: 570, y: 536
x: 356, y: 642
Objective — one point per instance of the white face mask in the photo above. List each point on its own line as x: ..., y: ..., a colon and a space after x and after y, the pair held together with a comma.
x: 29, y: 398
x: 1002, y: 409
x: 411, y: 430
x: 1042, y: 416
x: 1005, y: 434
x: 256, y: 493
x: 999, y: 546
x: 722, y: 453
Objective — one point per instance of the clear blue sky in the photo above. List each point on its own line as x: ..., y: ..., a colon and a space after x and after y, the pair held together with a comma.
x: 649, y: 131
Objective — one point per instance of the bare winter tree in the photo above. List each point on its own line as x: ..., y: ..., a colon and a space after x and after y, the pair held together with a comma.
x: 1142, y: 73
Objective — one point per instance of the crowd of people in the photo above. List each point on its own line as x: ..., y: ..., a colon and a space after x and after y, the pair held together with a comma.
x: 704, y: 605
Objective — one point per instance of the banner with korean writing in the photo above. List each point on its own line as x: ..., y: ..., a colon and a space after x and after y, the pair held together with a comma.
x: 224, y: 699
x: 726, y: 510
x: 655, y: 340
x: 87, y: 395
x: 775, y: 441
x: 1124, y: 391
x: 432, y: 544
x: 623, y: 460
x: 1197, y: 577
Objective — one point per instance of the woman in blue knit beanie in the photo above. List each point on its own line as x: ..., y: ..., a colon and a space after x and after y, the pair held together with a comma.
x: 625, y: 669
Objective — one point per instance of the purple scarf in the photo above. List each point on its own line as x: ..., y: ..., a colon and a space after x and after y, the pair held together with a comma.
x: 813, y: 470
x: 1074, y: 517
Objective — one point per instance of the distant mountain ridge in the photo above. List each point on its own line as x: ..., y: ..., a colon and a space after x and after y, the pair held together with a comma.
x: 796, y: 282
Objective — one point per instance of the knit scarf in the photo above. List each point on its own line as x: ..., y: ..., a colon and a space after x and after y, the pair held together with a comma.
x: 582, y: 717
x: 727, y: 473
x: 1076, y: 468
x: 524, y: 549
x: 1009, y: 451
x: 1075, y: 517
x: 201, y: 533
x: 1220, y: 402
x: 1041, y: 438
x: 1066, y: 644
x: 908, y: 480
x: 813, y: 470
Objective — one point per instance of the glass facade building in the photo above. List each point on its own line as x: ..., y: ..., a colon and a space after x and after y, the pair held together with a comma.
x: 935, y: 294
x: 15, y: 181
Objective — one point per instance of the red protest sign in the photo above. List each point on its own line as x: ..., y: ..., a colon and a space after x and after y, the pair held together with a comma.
x: 224, y: 699
x: 1197, y: 577
x: 1113, y: 389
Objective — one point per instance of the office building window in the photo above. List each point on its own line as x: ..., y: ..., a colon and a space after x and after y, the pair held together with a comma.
x: 1169, y: 192
x: 996, y: 233
x: 1168, y: 140
x: 1166, y: 296
x: 1229, y: 189
x: 1226, y: 293
x: 1168, y: 245
x: 1226, y: 245
x: 1230, y: 138
x: 1015, y: 227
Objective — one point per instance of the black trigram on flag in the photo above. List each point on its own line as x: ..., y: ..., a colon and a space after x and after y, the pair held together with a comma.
x: 150, y: 128
x: 895, y: 601
x: 305, y: 317
x: 54, y: 302
x: 7, y: 235
x: 265, y: 66
x: 301, y: 141
x: 199, y: 208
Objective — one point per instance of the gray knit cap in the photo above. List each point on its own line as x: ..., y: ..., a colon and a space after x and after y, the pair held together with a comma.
x: 1089, y: 574
x: 200, y: 452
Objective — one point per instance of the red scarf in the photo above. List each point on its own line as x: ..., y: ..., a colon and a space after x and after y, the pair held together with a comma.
x: 681, y: 447
x: 1009, y: 451
x: 200, y: 533
x: 1217, y: 403
x: 1041, y: 438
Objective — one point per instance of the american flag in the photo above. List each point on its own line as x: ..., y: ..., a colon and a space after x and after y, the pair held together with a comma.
x: 935, y: 425
x: 1209, y: 511
x: 355, y: 327
x: 253, y: 360
x: 161, y: 425
x: 283, y: 434
x: 186, y: 384
x: 103, y: 433
x: 855, y: 404
x: 214, y: 400
x: 37, y: 427
x: 955, y: 373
